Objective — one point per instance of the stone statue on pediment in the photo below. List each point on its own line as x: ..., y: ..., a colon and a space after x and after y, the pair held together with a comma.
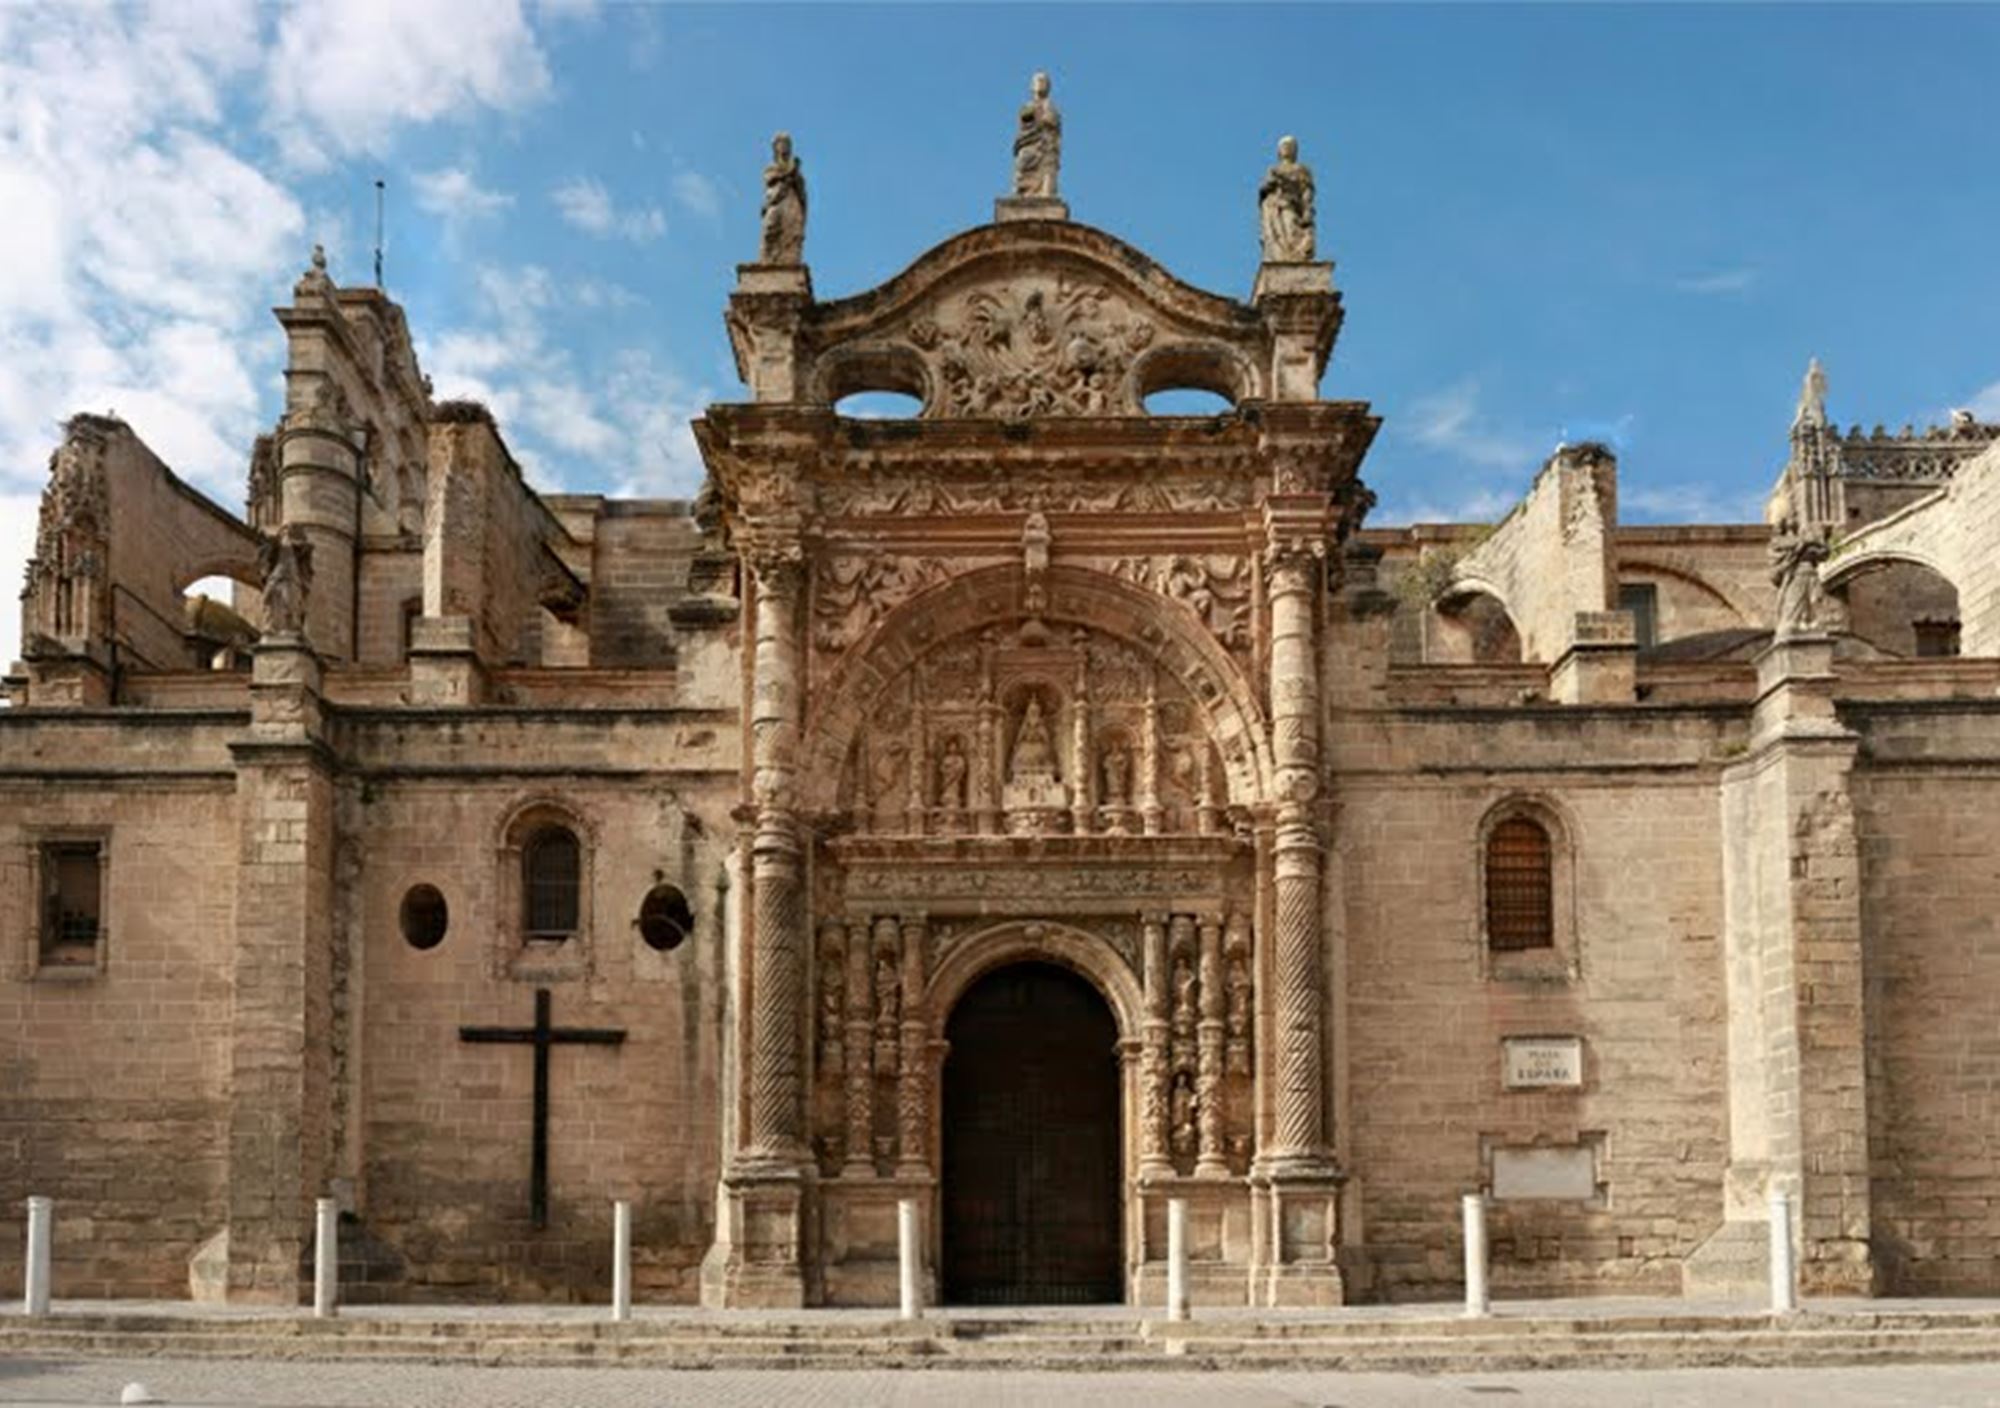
x: 1038, y: 143
x: 1034, y: 755
x: 783, y: 236
x: 1285, y: 207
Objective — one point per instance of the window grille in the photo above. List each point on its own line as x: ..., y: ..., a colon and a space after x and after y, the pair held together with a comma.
x: 73, y: 898
x: 1520, y: 889
x: 551, y: 871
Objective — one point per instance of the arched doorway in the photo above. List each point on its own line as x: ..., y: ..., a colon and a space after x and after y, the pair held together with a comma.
x: 1031, y: 1137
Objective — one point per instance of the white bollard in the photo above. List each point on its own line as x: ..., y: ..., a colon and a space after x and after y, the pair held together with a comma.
x: 1476, y: 1300
x: 908, y: 1264
x: 1177, y: 1259
x: 326, y: 1257
x: 1784, y: 1288
x: 41, y: 1237
x: 621, y: 1260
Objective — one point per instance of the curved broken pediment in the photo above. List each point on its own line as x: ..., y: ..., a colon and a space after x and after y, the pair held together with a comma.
x: 1022, y: 320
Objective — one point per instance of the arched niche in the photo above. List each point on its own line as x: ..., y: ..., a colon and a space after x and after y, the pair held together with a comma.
x: 983, y: 609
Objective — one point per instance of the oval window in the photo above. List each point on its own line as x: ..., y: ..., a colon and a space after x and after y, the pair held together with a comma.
x: 665, y: 920
x: 425, y: 916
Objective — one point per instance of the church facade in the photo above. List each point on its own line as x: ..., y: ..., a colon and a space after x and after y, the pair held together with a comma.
x: 1037, y: 807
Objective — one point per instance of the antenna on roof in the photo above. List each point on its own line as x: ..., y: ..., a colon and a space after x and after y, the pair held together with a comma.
x: 379, y: 185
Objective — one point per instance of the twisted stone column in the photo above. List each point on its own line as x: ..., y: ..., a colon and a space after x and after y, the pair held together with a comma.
x: 912, y: 1103
x: 859, y: 1161
x: 1154, y: 1159
x: 1208, y: 1079
x: 777, y: 1066
x: 1292, y: 575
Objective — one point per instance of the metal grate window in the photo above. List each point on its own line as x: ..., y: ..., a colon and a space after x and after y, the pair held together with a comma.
x: 73, y: 895
x: 551, y: 870
x: 1520, y: 889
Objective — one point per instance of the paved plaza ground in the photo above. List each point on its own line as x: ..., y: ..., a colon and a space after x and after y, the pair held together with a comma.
x: 185, y: 1384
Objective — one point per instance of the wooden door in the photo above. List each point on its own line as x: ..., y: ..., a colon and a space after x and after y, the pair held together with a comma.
x: 1031, y: 1138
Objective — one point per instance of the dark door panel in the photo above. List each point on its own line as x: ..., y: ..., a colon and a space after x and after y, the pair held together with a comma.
x: 1030, y: 1169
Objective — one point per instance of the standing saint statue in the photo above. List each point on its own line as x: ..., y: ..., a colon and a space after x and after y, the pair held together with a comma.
x: 783, y: 238
x: 1034, y: 755
x: 284, y: 564
x: 951, y: 777
x: 1795, y: 560
x: 1285, y: 207
x: 1038, y: 144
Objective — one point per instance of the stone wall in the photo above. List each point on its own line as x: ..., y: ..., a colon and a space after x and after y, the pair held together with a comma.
x: 1928, y: 805
x: 113, y: 1085
x: 1635, y: 974
x: 444, y: 1125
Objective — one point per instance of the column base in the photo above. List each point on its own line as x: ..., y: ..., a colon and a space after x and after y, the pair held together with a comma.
x: 757, y: 1261
x: 1296, y: 1203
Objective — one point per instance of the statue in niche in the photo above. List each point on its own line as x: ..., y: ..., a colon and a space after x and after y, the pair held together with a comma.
x: 1184, y: 1135
x: 1795, y: 560
x: 888, y: 993
x: 1038, y: 143
x: 783, y: 236
x: 1033, y: 758
x: 284, y: 563
x: 1285, y: 207
x: 951, y: 776
x: 1117, y: 774
x: 1186, y: 1009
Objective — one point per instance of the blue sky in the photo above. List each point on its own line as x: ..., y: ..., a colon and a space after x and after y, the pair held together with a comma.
x: 1631, y: 223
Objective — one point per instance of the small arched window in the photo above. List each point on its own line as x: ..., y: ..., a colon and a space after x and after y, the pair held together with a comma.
x: 551, y: 871
x: 1520, y: 886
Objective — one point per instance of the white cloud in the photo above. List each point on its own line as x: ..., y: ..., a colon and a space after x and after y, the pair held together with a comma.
x: 1986, y: 404
x: 344, y: 74
x: 18, y: 513
x: 145, y: 235
x: 626, y: 415
x: 585, y: 204
x: 1450, y: 420
x: 697, y: 193
x: 1688, y: 503
x: 454, y: 193
x: 1719, y: 281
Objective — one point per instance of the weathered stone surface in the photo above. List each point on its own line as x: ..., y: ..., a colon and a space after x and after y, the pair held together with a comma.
x: 1030, y: 677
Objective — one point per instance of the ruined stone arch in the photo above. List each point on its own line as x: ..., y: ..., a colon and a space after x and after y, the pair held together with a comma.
x: 1656, y: 567
x: 1034, y: 941
x: 1161, y: 628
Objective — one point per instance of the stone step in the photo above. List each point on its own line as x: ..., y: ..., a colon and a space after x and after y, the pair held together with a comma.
x: 1429, y: 1345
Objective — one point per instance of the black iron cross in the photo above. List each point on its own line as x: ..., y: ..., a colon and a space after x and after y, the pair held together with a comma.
x: 542, y: 1036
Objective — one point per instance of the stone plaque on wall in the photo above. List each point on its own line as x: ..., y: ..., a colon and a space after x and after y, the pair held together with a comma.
x: 1541, y: 1062
x: 1567, y: 1172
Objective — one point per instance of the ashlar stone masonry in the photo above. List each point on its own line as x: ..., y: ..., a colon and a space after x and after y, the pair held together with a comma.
x: 1041, y: 806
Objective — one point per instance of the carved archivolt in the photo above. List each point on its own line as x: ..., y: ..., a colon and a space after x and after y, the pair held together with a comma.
x: 1182, y: 705
x: 1216, y: 587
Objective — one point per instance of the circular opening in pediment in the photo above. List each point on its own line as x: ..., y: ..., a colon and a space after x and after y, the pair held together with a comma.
x: 1187, y: 401
x: 879, y: 405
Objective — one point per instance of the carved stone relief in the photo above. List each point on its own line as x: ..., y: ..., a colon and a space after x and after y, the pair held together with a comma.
x: 851, y: 594
x: 1033, y: 737
x: 1039, y: 346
